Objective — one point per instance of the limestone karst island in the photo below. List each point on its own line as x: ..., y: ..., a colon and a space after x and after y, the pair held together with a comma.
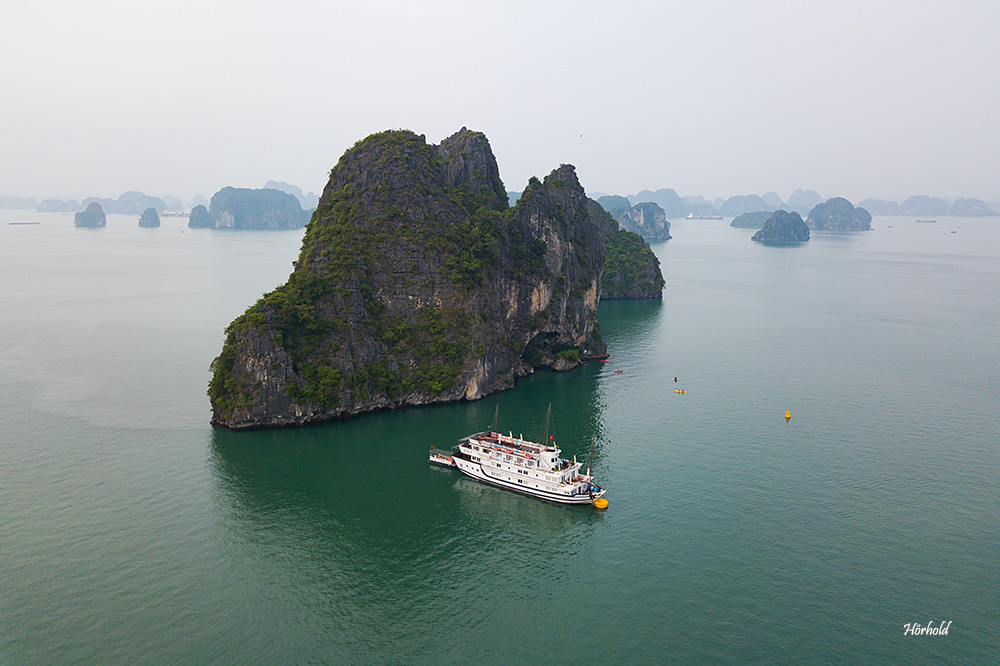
x: 418, y: 283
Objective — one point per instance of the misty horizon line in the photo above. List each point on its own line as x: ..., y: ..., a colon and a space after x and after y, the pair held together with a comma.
x: 193, y: 199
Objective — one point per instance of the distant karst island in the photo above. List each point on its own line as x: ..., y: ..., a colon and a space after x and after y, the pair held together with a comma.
x: 754, y: 220
x: 200, y: 218
x: 243, y: 208
x: 801, y: 201
x: 418, y: 283
x: 839, y: 214
x: 674, y: 206
x: 645, y: 218
x: 149, y: 218
x: 783, y: 227
x: 92, y: 217
x: 836, y: 214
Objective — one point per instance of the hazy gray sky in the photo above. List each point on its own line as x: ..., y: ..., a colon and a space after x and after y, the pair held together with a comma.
x: 858, y: 99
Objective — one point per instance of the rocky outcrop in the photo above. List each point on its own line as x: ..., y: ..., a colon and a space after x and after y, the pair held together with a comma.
x: 971, y: 208
x: 880, y: 206
x: 839, y: 214
x: 922, y: 205
x: 744, y: 203
x: 149, y: 218
x: 242, y: 208
x: 666, y: 198
x: 200, y: 218
x: 803, y: 201
x: 19, y: 203
x: 58, y: 206
x: 130, y: 203
x: 92, y: 217
x: 631, y: 270
x: 783, y: 227
x: 308, y: 201
x: 773, y: 200
x: 754, y: 220
x: 615, y: 205
x: 646, y: 219
x: 416, y: 284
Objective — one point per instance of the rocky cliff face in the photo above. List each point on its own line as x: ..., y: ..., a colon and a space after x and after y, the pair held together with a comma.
x: 646, y: 219
x: 417, y: 284
x: 631, y: 270
x: 839, y: 214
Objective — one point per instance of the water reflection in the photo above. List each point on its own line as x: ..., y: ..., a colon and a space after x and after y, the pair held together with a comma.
x: 627, y: 323
x: 364, y: 486
x: 350, y: 523
x: 481, y: 502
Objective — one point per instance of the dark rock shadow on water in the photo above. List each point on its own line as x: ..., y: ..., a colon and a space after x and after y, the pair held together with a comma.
x: 827, y: 236
x: 773, y: 243
x: 357, y: 499
x: 627, y: 322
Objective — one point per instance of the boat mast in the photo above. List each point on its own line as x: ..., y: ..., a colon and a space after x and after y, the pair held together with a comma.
x: 590, y: 462
x: 548, y: 417
x: 496, y: 420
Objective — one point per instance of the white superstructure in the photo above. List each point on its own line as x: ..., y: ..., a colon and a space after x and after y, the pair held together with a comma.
x: 525, y: 467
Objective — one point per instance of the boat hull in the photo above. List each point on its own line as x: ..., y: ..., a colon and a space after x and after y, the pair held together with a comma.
x: 476, y: 471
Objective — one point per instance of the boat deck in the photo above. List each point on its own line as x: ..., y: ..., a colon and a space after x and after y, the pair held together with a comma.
x: 442, y: 457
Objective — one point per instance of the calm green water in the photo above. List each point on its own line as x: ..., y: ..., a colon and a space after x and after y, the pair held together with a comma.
x: 132, y: 532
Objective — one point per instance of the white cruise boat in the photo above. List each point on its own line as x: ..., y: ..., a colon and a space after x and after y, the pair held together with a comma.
x: 522, y: 466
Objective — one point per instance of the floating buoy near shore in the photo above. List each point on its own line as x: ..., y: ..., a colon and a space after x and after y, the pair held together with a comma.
x: 788, y: 415
x: 600, y: 503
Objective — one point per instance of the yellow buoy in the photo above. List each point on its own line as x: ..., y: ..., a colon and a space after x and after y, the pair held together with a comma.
x: 788, y: 414
x: 600, y: 503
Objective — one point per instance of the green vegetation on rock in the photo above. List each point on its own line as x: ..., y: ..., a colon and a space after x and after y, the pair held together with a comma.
x: 242, y: 208
x: 631, y: 270
x: 614, y: 204
x: 783, y: 227
x: 417, y: 283
x: 839, y: 214
x: 646, y: 219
